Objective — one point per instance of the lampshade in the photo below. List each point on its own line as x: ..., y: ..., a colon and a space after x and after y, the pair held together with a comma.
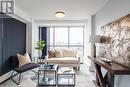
x: 94, y: 39
x: 60, y: 14
x: 106, y: 39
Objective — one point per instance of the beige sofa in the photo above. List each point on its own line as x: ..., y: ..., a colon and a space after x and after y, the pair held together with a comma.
x: 64, y: 57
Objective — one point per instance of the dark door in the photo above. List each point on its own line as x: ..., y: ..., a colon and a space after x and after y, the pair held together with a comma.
x: 18, y: 37
x: 14, y: 41
x: 6, y: 67
x: 0, y: 46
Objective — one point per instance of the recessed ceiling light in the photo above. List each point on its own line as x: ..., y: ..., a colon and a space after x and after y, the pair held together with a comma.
x: 60, y: 14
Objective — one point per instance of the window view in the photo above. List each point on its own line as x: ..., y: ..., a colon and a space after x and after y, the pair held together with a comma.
x: 67, y: 37
x: 61, y: 36
x: 76, y: 36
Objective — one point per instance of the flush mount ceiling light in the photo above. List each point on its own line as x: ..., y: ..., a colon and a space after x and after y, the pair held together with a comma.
x: 60, y: 14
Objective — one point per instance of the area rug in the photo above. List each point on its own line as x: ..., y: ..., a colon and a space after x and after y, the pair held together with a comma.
x: 29, y: 79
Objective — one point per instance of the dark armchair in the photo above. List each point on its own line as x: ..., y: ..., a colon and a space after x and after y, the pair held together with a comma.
x: 21, y: 69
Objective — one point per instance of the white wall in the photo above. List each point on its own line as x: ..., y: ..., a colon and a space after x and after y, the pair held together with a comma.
x: 35, y: 38
x: 29, y: 37
x: 113, y: 10
x: 88, y: 32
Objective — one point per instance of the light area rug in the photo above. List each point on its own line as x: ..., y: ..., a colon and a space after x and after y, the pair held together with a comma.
x: 83, y: 79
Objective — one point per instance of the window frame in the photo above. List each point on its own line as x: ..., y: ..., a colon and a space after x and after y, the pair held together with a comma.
x: 68, y: 45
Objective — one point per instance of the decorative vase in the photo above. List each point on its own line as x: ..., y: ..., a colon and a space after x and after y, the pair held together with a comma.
x: 40, y: 53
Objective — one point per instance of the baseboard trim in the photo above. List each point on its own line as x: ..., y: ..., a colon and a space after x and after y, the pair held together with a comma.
x: 6, y: 77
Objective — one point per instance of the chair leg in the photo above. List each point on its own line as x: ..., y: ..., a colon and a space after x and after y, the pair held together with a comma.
x: 18, y: 78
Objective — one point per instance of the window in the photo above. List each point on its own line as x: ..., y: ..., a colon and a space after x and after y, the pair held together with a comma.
x: 61, y: 36
x: 67, y: 37
x: 51, y: 36
x: 76, y: 39
x: 76, y: 36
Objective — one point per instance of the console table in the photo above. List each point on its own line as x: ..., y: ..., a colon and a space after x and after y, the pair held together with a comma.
x: 112, y: 70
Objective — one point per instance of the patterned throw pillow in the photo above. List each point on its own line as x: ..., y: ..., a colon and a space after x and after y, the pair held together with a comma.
x: 125, y: 61
x: 51, y: 53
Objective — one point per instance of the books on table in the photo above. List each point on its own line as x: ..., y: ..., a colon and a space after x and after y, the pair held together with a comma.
x: 65, y: 69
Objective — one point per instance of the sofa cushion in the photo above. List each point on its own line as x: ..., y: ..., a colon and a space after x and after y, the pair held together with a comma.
x: 58, y: 54
x: 66, y: 60
x: 69, y: 53
x: 51, y: 53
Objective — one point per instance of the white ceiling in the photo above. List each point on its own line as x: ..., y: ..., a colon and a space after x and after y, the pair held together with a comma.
x: 74, y: 9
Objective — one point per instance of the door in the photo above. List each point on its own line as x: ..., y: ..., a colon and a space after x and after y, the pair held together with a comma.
x: 0, y: 46
x: 14, y: 41
x: 6, y: 62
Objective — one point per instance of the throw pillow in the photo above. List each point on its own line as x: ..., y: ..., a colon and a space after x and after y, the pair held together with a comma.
x: 23, y: 59
x: 51, y: 53
x: 58, y: 54
x: 69, y: 53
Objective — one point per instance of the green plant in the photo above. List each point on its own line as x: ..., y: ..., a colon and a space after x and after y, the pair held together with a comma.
x: 40, y: 45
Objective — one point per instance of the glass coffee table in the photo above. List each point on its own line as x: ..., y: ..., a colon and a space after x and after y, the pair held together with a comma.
x: 47, y: 75
x: 66, y: 76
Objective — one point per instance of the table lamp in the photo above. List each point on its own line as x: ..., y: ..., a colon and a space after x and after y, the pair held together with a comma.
x: 94, y: 39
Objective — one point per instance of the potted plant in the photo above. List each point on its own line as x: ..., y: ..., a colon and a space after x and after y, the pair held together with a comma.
x: 40, y: 46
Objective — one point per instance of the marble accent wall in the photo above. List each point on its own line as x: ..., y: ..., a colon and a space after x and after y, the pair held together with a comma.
x: 118, y: 49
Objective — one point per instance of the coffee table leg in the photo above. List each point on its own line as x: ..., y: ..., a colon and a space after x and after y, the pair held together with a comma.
x: 74, y: 79
x: 57, y: 80
x: 38, y: 77
x: 55, y: 77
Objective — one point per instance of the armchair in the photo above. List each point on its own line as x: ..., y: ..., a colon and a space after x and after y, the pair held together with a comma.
x: 20, y: 69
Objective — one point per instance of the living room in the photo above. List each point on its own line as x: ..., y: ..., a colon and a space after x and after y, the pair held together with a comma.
x: 67, y: 38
